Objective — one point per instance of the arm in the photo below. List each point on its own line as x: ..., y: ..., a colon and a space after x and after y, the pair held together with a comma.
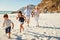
x: 24, y: 18
x: 17, y: 17
x: 12, y: 25
x: 4, y: 24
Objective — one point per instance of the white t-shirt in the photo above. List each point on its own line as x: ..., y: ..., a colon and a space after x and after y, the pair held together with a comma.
x: 7, y: 23
x: 27, y: 12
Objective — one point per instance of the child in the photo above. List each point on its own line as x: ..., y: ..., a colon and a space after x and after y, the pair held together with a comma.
x: 21, y: 19
x: 7, y: 22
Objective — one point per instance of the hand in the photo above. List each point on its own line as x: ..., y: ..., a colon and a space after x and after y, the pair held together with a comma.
x: 16, y: 18
x: 12, y: 27
x: 25, y: 20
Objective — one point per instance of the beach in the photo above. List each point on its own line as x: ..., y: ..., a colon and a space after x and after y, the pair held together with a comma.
x: 49, y: 28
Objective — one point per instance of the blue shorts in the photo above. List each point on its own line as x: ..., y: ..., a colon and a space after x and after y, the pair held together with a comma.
x: 8, y: 29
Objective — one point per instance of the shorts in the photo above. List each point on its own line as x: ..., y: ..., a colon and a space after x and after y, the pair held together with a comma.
x: 8, y: 29
x: 21, y: 22
x: 28, y: 16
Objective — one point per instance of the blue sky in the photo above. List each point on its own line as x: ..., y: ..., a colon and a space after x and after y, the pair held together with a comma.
x: 13, y: 5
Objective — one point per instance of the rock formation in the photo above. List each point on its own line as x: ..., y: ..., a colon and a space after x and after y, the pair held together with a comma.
x: 51, y: 6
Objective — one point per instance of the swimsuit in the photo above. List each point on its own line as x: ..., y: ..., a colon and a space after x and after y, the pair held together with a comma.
x: 21, y: 19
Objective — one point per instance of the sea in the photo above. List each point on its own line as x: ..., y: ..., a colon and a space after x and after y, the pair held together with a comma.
x: 6, y: 12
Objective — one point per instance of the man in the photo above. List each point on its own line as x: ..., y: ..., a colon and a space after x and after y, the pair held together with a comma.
x: 27, y: 13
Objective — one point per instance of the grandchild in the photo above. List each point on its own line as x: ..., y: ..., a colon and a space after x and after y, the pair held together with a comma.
x: 21, y: 18
x: 7, y: 22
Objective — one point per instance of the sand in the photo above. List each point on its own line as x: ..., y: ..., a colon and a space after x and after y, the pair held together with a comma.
x: 49, y: 28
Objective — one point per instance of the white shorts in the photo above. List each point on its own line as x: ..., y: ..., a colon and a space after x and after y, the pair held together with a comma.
x: 28, y: 17
x: 21, y: 22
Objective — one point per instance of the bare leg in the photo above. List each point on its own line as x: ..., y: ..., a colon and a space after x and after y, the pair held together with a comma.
x: 28, y: 21
x: 21, y: 27
x: 37, y: 23
x: 9, y: 35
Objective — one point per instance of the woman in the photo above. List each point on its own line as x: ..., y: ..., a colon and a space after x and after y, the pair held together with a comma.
x: 21, y: 19
x: 36, y: 15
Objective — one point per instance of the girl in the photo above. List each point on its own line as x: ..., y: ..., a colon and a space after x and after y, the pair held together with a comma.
x: 21, y: 19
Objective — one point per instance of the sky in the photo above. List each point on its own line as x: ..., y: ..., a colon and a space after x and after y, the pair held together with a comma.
x: 13, y: 5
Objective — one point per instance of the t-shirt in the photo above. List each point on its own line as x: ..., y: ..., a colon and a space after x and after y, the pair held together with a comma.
x: 27, y: 12
x: 7, y: 23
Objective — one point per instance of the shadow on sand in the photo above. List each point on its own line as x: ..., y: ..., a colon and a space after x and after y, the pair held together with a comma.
x: 37, y: 35
x: 17, y: 37
x: 49, y: 27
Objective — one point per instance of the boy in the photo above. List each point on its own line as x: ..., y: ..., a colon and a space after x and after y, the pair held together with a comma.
x: 21, y: 18
x: 7, y: 22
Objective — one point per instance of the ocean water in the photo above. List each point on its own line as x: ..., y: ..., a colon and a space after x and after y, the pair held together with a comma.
x: 6, y: 12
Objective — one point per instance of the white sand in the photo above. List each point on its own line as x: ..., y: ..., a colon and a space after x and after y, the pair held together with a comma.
x: 49, y: 28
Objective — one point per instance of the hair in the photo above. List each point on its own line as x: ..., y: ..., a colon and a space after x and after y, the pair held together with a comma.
x: 20, y: 12
x: 27, y: 6
x: 5, y: 15
x: 36, y: 7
